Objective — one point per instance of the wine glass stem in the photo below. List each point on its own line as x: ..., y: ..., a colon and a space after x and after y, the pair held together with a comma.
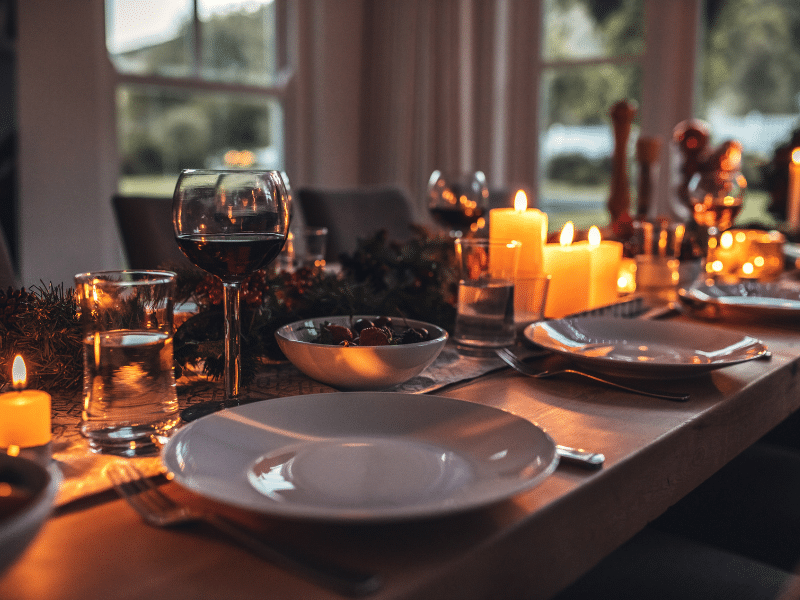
x: 711, y: 249
x: 233, y: 336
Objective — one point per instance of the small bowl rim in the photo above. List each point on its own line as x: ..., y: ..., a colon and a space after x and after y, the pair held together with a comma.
x: 442, y: 337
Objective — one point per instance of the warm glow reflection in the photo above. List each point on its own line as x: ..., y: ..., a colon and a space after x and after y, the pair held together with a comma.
x: 729, y: 200
x: 567, y: 234
x: 747, y: 268
x: 594, y: 236
x: 97, y: 349
x: 520, y: 201
x: 796, y: 156
x: 19, y: 374
x: 726, y: 240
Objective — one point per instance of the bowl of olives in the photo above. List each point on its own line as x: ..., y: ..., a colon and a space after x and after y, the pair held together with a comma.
x: 361, y: 352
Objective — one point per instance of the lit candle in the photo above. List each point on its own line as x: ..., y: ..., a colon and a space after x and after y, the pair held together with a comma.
x: 24, y: 414
x: 605, y: 258
x: 526, y: 225
x: 793, y: 196
x: 569, y: 267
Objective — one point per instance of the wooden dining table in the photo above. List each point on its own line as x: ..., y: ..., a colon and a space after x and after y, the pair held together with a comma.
x: 529, y: 546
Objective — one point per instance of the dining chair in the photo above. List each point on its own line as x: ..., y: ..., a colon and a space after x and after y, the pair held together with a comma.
x: 8, y: 274
x: 145, y: 224
x: 357, y: 213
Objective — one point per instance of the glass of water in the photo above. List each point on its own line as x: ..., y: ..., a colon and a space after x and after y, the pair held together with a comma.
x: 130, y: 405
x: 485, y: 312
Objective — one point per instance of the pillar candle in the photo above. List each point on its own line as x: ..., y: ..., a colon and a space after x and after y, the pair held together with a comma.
x: 605, y: 258
x: 793, y: 194
x: 569, y: 268
x: 24, y: 414
x: 526, y: 225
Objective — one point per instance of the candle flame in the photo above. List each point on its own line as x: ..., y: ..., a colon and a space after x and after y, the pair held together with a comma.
x: 520, y: 201
x: 567, y: 233
x: 594, y: 236
x: 796, y: 156
x: 19, y: 374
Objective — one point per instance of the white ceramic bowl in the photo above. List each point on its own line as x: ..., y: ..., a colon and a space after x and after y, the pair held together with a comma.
x: 358, y: 367
x: 33, y: 489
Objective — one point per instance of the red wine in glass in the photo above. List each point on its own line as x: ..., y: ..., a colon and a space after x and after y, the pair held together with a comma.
x: 231, y: 257
x: 231, y: 223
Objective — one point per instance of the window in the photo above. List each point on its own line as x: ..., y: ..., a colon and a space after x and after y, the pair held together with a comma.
x: 591, y: 58
x: 594, y: 52
x: 201, y: 84
x: 750, y: 92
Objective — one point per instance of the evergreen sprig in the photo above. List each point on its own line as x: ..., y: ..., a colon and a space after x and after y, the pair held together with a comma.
x: 46, y: 332
x: 416, y: 280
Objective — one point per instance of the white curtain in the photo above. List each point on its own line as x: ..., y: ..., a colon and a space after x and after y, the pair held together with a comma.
x: 448, y: 85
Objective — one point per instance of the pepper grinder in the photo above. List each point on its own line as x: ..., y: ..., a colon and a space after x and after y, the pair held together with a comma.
x: 648, y: 150
x: 691, y: 138
x: 622, y: 114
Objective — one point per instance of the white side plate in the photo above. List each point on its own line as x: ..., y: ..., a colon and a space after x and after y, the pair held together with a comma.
x: 644, y: 349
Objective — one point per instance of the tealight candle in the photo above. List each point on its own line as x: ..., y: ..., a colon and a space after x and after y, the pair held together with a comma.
x: 24, y: 414
x: 569, y: 267
x: 526, y: 225
x: 605, y: 258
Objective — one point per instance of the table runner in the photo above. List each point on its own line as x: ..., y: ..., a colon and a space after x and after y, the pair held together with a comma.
x: 82, y: 469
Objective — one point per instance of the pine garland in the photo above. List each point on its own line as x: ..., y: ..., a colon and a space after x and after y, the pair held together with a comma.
x: 46, y: 332
x: 416, y: 280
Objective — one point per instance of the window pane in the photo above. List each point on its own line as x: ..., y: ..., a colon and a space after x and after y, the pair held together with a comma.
x: 238, y: 40
x: 751, y: 90
x: 163, y: 131
x: 579, y: 29
x: 577, y: 140
x: 150, y: 37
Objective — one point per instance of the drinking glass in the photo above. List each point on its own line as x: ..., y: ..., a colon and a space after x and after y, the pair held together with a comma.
x: 485, y: 311
x: 130, y: 406
x: 458, y: 202
x: 717, y: 195
x: 231, y: 223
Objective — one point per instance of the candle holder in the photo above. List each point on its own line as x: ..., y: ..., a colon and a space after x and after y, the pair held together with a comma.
x: 747, y: 254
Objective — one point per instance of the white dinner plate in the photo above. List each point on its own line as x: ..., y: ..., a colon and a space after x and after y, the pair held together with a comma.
x: 750, y: 298
x: 360, y: 456
x: 644, y: 349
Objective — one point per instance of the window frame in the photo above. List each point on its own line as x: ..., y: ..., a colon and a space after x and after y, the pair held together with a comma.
x: 669, y: 78
x: 279, y: 88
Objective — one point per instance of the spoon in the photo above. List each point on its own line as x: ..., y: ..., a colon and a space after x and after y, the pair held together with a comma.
x: 583, y: 458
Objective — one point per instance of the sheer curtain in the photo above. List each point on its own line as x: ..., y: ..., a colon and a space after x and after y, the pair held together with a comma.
x: 448, y: 85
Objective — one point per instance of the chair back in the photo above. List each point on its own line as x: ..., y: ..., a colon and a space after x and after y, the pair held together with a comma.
x: 145, y: 224
x: 8, y: 274
x: 353, y: 214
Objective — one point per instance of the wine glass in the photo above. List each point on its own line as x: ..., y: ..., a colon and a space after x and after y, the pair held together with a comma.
x: 717, y: 196
x: 231, y: 223
x: 458, y: 202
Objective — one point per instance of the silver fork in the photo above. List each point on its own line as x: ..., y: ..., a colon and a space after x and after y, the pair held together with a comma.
x: 158, y: 509
x: 515, y: 363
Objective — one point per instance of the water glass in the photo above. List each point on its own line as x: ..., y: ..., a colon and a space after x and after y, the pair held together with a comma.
x: 130, y: 405
x: 485, y: 312
x: 530, y: 297
x: 657, y: 249
x: 316, y: 244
